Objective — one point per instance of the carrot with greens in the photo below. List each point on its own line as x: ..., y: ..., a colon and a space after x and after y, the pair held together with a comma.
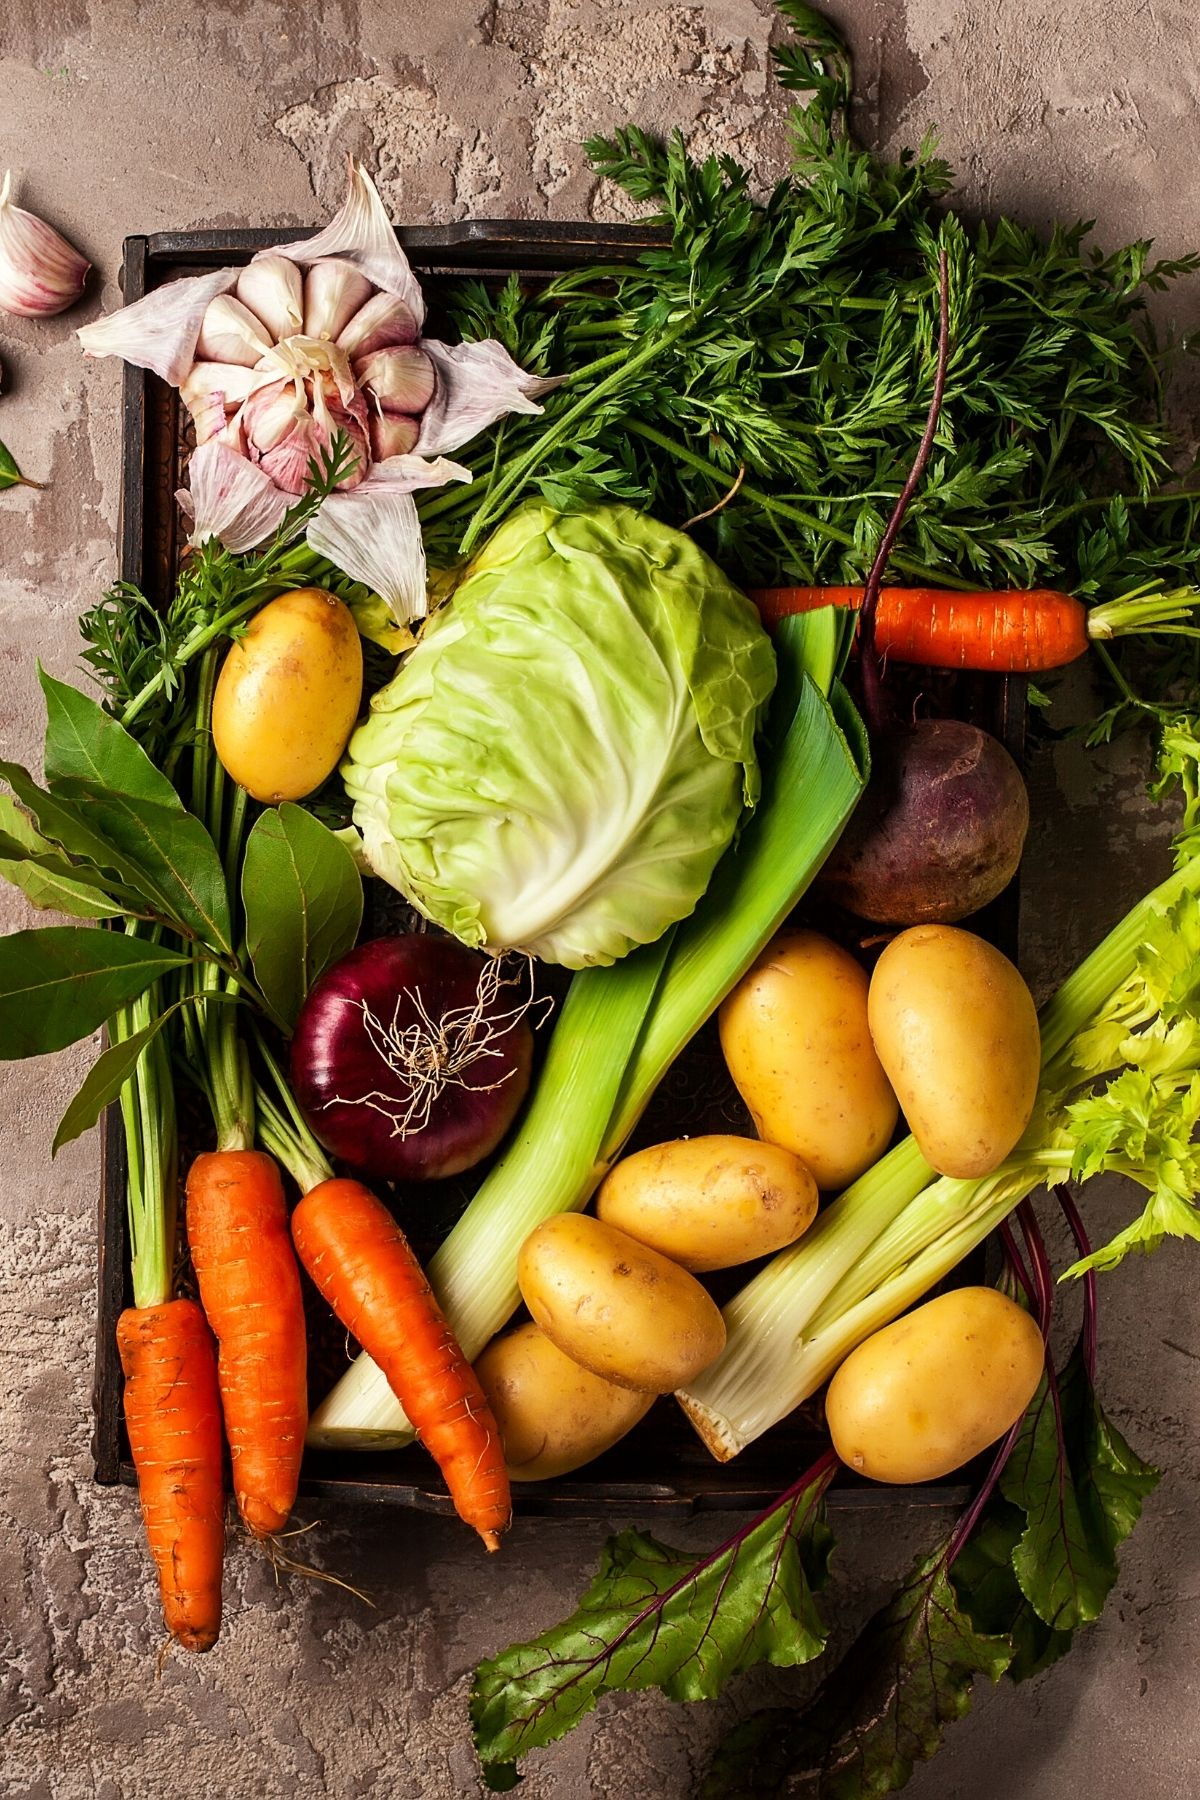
x: 361, y: 1262
x: 250, y: 1289
x: 172, y: 1407
x: 173, y: 1416
x: 1012, y: 632
x: 237, y: 1216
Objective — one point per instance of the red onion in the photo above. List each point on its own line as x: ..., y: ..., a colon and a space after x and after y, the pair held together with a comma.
x: 411, y: 1056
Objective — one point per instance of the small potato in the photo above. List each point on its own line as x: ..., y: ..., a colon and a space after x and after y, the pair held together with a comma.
x: 616, y: 1307
x: 933, y: 1389
x: 288, y: 695
x: 795, y: 1038
x: 957, y: 1031
x: 710, y: 1202
x: 553, y: 1415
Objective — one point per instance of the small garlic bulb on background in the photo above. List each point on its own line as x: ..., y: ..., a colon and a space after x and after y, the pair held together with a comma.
x: 40, y: 273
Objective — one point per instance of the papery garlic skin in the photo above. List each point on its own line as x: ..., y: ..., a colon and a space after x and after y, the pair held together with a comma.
x: 40, y: 272
x: 317, y: 340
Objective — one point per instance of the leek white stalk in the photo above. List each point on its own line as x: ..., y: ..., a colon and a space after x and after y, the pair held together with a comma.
x: 898, y: 1230
x: 622, y: 1026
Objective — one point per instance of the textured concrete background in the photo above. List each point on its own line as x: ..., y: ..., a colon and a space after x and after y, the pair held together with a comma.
x: 123, y: 116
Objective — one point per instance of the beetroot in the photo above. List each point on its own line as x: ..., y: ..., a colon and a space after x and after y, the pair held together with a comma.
x: 411, y: 1056
x: 939, y: 831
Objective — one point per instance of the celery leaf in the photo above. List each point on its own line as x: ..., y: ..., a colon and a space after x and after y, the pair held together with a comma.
x: 658, y: 1617
x: 908, y: 1675
x: 1142, y: 1125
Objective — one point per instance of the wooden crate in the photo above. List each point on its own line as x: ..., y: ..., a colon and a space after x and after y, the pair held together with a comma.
x: 660, y: 1470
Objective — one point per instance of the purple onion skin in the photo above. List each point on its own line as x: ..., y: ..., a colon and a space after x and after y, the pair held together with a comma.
x: 338, y: 1059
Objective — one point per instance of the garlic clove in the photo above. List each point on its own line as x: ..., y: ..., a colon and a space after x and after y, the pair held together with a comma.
x: 271, y: 414
x: 229, y: 499
x: 393, y: 434
x: 398, y: 380
x: 476, y: 385
x: 333, y: 293
x: 285, y: 429
x: 230, y: 333
x: 211, y: 390
x: 362, y: 235
x: 272, y: 288
x: 159, y: 332
x: 40, y: 273
x: 382, y: 322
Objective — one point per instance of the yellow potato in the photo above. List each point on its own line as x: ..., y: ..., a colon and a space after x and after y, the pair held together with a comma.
x: 553, y: 1415
x: 933, y: 1389
x: 796, y: 1042
x: 288, y: 695
x: 621, y: 1310
x: 957, y: 1031
x: 710, y: 1202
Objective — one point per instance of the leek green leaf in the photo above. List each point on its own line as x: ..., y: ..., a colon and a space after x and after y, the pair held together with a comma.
x: 884, y: 1708
x: 658, y: 1617
x: 61, y: 983
x: 303, y: 898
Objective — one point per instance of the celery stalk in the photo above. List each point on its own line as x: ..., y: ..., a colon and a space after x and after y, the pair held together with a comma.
x: 622, y: 1027
x: 898, y: 1230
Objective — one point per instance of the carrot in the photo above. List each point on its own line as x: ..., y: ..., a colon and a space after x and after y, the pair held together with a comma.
x: 173, y: 1416
x: 361, y: 1262
x: 1008, y: 633
x: 250, y: 1289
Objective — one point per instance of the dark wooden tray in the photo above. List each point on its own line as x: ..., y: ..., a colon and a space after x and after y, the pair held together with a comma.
x: 661, y: 1468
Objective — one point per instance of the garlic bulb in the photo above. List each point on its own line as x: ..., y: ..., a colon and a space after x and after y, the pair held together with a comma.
x: 40, y: 273
x: 318, y: 342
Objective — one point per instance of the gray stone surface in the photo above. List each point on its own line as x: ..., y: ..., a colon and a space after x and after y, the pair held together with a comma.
x: 124, y: 116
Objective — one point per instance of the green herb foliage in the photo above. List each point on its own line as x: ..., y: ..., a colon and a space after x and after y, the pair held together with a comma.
x: 303, y: 901
x: 885, y: 1707
x: 10, y: 474
x: 1081, y: 1488
x: 794, y: 337
x: 62, y: 982
x: 657, y: 1617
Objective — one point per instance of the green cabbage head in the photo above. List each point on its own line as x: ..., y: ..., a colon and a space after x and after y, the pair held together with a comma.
x: 567, y: 750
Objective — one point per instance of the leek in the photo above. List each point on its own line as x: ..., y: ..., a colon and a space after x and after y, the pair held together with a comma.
x: 1131, y: 1009
x: 621, y: 1027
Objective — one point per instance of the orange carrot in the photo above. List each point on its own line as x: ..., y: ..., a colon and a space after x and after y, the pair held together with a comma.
x: 250, y: 1289
x: 362, y: 1263
x: 1008, y: 632
x: 173, y: 1416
